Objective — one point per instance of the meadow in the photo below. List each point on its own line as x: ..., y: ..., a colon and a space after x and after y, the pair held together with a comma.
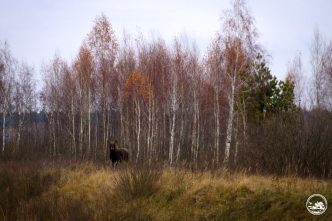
x: 86, y: 191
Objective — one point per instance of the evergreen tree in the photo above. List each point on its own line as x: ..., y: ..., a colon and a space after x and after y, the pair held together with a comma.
x: 263, y: 94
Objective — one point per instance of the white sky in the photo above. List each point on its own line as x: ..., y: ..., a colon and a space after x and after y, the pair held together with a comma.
x: 36, y: 30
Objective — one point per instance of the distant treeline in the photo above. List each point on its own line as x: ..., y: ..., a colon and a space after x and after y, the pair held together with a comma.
x: 12, y: 119
x: 171, y: 106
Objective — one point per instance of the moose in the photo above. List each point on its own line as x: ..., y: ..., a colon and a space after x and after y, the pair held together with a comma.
x: 117, y: 155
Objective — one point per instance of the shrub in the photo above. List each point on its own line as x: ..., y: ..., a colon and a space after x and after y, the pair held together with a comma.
x: 136, y: 183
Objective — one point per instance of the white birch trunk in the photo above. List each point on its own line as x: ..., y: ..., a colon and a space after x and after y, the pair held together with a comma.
x: 173, y: 110
x: 229, y: 129
x: 171, y: 146
x: 231, y: 101
x: 180, y: 140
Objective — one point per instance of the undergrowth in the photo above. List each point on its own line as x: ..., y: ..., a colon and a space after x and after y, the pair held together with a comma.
x: 88, y: 192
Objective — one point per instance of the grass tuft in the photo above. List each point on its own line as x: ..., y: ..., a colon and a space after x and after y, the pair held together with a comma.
x: 136, y: 183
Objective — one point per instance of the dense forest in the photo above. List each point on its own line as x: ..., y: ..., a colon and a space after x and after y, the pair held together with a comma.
x: 172, y: 106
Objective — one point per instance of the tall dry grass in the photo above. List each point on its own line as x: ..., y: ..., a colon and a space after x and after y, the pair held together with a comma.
x: 90, y: 192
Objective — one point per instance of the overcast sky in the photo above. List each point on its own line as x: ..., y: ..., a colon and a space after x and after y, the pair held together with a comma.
x: 36, y: 30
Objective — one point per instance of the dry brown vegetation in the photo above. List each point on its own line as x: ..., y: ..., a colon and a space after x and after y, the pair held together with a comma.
x: 90, y: 192
x: 206, y: 116
x: 167, y: 103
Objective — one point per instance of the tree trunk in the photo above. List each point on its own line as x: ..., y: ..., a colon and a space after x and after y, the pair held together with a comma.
x: 172, y: 123
x: 89, y: 124
x: 236, y: 140
x: 149, y: 129
x: 54, y: 137
x: 163, y: 140
x: 229, y: 130
x: 104, y: 143
x: 108, y: 117
x: 96, y: 136
x: 194, y: 131
x: 73, y: 127
x: 173, y: 111
x: 217, y: 123
x: 122, y: 139
x: 198, y: 135
x: 181, y: 136
x: 80, y: 150
x: 171, y: 146
x: 19, y: 131
x: 3, y: 130
x: 154, y: 134
x: 244, y: 122
x: 138, y: 130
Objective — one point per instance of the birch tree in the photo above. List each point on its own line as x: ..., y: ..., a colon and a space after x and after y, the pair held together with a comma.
x: 104, y: 47
x: 328, y: 74
x: 196, y: 85
x: 125, y: 66
x: 138, y: 90
x: 321, y: 71
x: 238, y: 43
x: 177, y: 75
x: 7, y: 70
x: 214, y: 66
x: 24, y: 99
x: 84, y: 68
x: 52, y: 100
x: 317, y: 64
x: 173, y: 109
x: 70, y: 101
x: 296, y: 75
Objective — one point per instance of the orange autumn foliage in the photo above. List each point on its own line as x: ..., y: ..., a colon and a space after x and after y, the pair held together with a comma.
x: 137, y: 84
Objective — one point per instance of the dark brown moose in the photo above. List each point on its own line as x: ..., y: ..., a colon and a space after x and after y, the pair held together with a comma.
x: 118, y: 155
